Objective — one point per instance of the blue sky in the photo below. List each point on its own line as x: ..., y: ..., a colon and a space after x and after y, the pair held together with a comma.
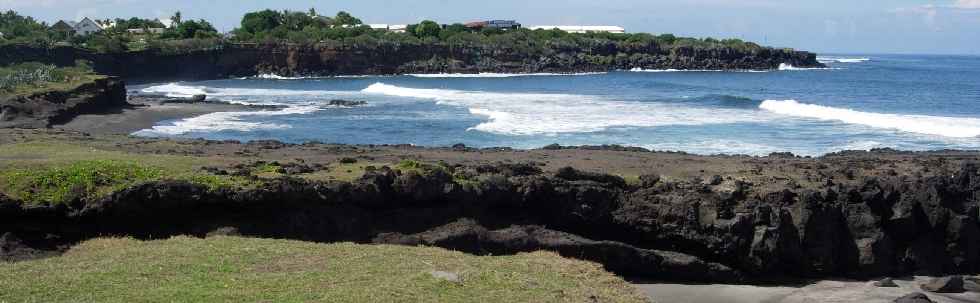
x: 838, y: 26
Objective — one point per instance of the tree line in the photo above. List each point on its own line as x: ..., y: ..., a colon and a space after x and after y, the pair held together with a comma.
x: 309, y: 27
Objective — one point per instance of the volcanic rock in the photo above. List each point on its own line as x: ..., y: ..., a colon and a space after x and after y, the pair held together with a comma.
x: 951, y: 284
x: 914, y: 298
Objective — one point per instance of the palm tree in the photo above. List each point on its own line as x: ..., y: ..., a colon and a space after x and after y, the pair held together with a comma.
x: 175, y: 20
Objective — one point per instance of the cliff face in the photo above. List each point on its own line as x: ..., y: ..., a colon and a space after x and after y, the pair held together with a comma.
x: 325, y: 60
x: 671, y: 230
x: 45, y: 109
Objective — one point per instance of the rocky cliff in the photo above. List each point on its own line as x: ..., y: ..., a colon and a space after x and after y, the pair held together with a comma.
x: 717, y: 230
x: 44, y: 109
x: 324, y: 60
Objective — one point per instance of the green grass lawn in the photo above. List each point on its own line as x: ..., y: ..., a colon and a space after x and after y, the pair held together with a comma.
x: 231, y: 269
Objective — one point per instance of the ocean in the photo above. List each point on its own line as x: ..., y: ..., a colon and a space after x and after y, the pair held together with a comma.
x: 860, y: 102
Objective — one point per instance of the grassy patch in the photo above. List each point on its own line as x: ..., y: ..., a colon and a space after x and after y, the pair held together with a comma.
x: 268, y: 170
x: 40, y: 154
x: 346, y: 172
x: 631, y: 180
x: 54, y: 173
x: 80, y: 180
x: 31, y: 77
x: 225, y: 269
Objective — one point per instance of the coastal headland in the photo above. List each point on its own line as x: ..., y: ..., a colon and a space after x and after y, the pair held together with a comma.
x: 72, y: 181
x: 642, y: 214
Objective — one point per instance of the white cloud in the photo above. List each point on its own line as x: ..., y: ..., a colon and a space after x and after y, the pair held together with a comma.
x: 967, y: 4
x: 931, y: 13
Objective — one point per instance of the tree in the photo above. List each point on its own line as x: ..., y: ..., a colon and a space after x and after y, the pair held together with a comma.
x: 343, y: 18
x: 257, y: 22
x: 427, y: 28
x: 452, y: 30
x: 21, y: 28
x: 296, y: 21
x: 176, y: 19
x: 312, y: 13
x: 666, y: 39
x: 106, y: 44
x: 196, y: 29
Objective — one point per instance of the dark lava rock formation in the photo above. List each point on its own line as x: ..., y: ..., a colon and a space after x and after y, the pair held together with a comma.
x: 50, y: 108
x: 327, y: 59
x: 659, y: 229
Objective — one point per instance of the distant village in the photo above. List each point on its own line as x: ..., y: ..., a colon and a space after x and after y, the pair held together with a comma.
x: 513, y: 24
x: 88, y: 26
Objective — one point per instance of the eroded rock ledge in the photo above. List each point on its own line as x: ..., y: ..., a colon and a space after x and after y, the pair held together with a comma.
x: 719, y: 230
x: 45, y: 109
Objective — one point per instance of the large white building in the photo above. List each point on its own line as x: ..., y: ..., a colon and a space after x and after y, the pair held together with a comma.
x: 397, y: 28
x: 581, y: 29
x: 86, y: 26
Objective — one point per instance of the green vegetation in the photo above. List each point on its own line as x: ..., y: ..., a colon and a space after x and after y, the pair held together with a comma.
x: 119, y: 35
x: 342, y: 29
x: 21, y: 29
x: 78, y: 181
x: 227, y: 269
x: 270, y: 26
x: 57, y: 173
x: 32, y: 77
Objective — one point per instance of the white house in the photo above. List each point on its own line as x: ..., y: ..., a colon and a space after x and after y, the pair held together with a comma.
x: 379, y: 26
x: 581, y: 29
x: 86, y: 27
x: 398, y: 28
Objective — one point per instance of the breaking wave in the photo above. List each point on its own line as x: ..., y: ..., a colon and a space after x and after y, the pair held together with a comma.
x: 225, y: 121
x: 236, y: 95
x: 535, y: 114
x: 500, y: 75
x: 671, y: 70
x: 296, y: 102
x: 790, y: 67
x: 929, y: 125
x: 277, y: 77
x: 842, y: 60
x: 716, y: 147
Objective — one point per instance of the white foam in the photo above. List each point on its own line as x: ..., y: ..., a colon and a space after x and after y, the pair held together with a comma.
x: 277, y: 77
x: 499, y: 75
x: 224, y: 121
x: 248, y: 96
x: 716, y: 147
x: 671, y: 70
x: 175, y: 90
x: 790, y: 67
x: 531, y: 114
x: 842, y: 60
x: 929, y: 125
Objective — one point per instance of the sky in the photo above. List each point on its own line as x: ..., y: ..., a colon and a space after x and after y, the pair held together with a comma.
x: 824, y: 26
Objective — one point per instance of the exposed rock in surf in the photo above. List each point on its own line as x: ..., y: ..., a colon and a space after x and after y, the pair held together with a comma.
x: 886, y: 282
x: 951, y: 284
x: 346, y: 103
x: 914, y: 298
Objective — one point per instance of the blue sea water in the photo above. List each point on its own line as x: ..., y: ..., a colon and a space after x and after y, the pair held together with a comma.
x: 907, y: 102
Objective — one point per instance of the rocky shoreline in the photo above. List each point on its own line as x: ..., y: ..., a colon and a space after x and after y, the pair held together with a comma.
x: 723, y: 219
x: 243, y: 60
x: 45, y: 109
